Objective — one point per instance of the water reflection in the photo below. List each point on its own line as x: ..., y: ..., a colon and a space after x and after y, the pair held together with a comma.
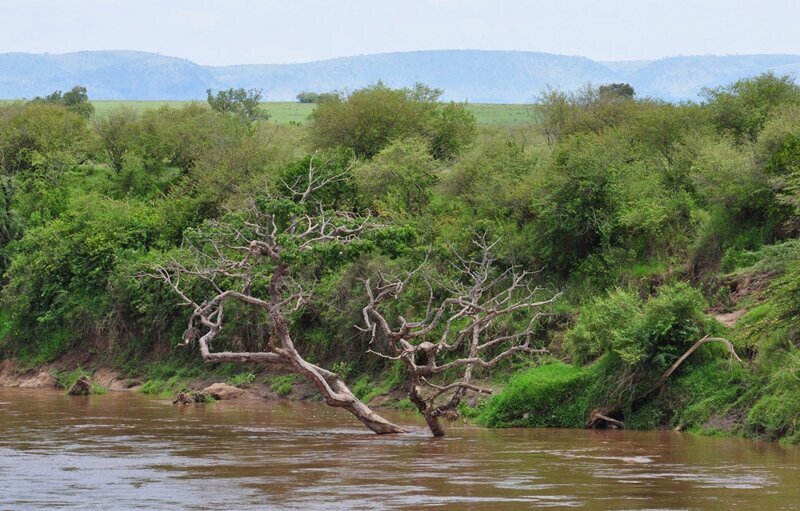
x: 123, y: 451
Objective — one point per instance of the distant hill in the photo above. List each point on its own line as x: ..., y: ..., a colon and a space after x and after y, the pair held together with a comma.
x: 474, y: 75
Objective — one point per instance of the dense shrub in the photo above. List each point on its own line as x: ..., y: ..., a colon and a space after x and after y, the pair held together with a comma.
x: 370, y: 118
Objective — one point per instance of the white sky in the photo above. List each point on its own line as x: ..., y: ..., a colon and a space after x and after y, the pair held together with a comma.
x: 278, y: 31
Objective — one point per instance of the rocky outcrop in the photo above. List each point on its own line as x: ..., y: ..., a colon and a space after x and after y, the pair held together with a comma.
x: 223, y: 391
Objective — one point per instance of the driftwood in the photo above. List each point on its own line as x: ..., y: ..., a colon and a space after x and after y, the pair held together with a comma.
x: 599, y: 418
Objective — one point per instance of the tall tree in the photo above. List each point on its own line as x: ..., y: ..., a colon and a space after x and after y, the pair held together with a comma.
x: 240, y: 103
x: 75, y: 100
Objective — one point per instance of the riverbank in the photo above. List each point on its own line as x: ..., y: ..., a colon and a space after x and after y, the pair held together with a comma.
x: 170, y: 378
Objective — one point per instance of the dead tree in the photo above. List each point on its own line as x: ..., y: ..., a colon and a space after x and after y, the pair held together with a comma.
x: 233, y: 261
x: 466, y: 322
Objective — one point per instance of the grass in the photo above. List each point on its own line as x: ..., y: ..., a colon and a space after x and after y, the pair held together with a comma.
x: 241, y: 379
x: 286, y: 112
x: 166, y: 377
x: 282, y: 385
x: 292, y: 112
x: 545, y: 396
x: 502, y: 115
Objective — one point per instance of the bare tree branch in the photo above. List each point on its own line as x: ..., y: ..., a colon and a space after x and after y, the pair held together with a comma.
x: 230, y: 261
x: 469, y: 315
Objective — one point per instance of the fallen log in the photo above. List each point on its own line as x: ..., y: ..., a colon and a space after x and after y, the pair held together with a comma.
x: 663, y: 379
x: 601, y: 416
x: 599, y: 419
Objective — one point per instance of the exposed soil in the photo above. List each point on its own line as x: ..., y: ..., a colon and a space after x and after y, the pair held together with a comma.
x: 729, y: 319
x: 13, y: 374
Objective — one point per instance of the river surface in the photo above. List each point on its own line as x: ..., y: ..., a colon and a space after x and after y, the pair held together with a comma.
x: 125, y: 451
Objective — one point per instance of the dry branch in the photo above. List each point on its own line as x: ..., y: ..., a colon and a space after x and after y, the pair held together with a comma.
x: 663, y: 379
x: 468, y: 320
x: 239, y: 256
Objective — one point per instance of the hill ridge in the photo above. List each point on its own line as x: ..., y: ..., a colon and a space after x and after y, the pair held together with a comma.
x: 490, y: 76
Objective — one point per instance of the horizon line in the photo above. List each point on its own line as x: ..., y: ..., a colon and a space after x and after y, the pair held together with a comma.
x: 403, y: 52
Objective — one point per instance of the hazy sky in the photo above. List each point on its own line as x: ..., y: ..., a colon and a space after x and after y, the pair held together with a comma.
x: 272, y: 31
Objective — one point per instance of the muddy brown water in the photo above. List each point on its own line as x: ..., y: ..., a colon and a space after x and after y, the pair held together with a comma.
x: 126, y: 451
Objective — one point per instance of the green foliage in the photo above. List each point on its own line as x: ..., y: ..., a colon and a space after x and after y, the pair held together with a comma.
x: 602, y: 324
x: 620, y: 90
x: 282, y: 385
x: 655, y: 332
x: 451, y: 130
x: 315, y: 97
x: 363, y: 388
x: 66, y: 379
x: 245, y: 105
x: 399, y: 180
x: 118, y: 131
x: 166, y: 377
x: 774, y: 415
x: 743, y: 107
x: 241, y: 379
x: 544, y: 396
x: 702, y: 398
x: 579, y: 207
x: 368, y: 119
x: 631, y: 205
x: 75, y: 100
x: 59, y: 275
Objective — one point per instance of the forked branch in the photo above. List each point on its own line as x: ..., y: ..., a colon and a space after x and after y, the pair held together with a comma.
x: 471, y: 322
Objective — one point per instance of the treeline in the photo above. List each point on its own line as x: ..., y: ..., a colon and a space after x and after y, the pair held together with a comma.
x: 651, y: 216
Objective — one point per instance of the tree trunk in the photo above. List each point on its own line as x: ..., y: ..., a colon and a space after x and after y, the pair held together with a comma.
x: 333, y: 390
x: 431, y: 418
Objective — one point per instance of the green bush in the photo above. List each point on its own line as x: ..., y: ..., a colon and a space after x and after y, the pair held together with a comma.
x: 368, y: 119
x: 552, y: 395
x: 653, y: 332
x: 601, y: 325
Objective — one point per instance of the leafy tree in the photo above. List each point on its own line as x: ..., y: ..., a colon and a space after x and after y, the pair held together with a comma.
x: 243, y: 104
x: 369, y: 119
x: 307, y: 97
x: 743, y: 107
x: 40, y: 144
x: 75, y: 100
x: 587, y: 109
x: 617, y: 90
x: 315, y: 97
x: 399, y: 180
x: 119, y: 133
x: 451, y: 130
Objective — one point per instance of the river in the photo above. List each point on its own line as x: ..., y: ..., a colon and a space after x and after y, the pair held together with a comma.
x: 126, y: 451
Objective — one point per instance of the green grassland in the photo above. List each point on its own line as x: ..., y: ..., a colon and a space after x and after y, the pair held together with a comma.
x: 281, y: 113
x: 289, y: 112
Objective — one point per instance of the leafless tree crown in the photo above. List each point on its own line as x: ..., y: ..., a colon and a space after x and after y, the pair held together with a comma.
x: 233, y: 257
x: 467, y: 321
